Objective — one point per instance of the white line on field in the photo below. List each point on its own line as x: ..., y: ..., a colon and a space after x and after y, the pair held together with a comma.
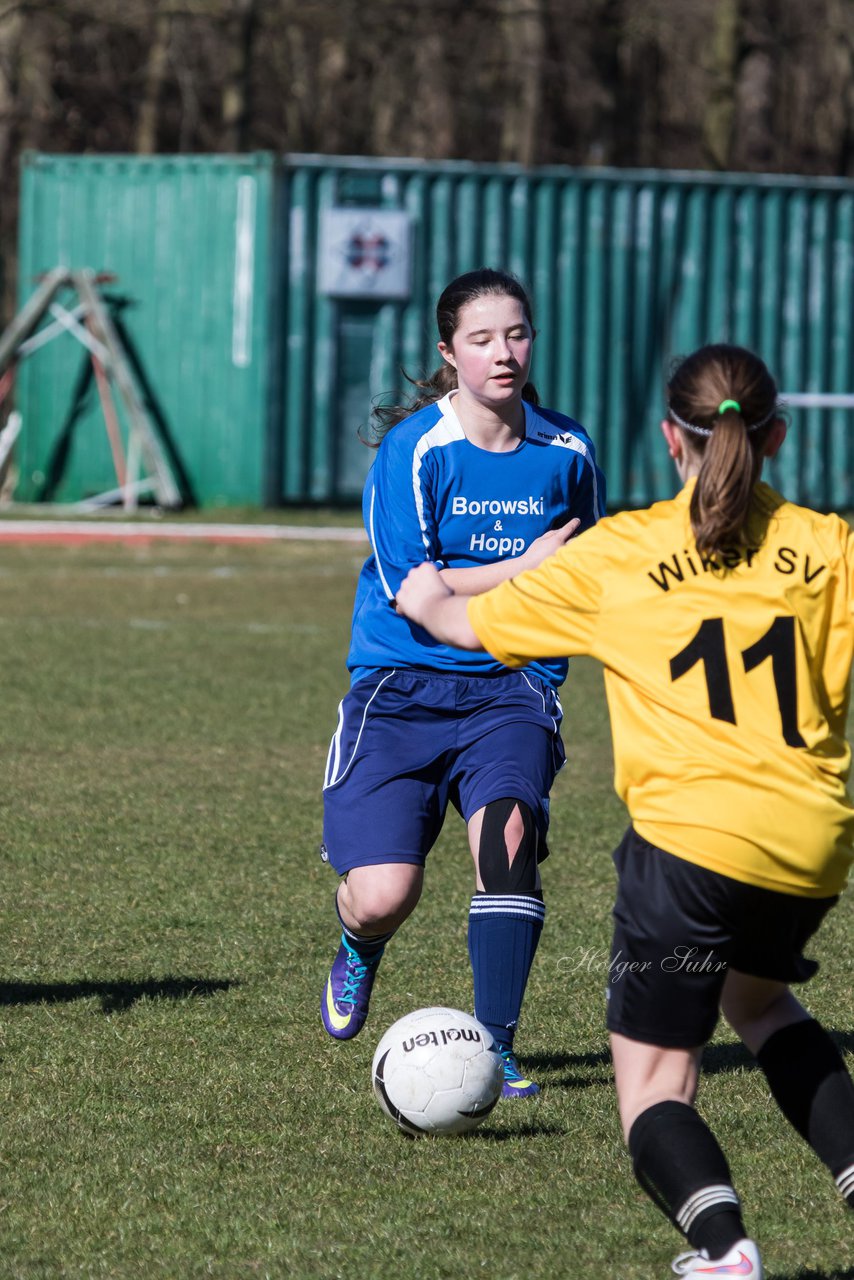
x: 74, y: 531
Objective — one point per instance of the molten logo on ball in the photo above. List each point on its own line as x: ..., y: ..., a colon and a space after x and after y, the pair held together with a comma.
x: 437, y: 1071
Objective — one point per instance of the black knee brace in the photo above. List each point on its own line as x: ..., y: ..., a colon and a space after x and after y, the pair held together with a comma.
x: 497, y: 872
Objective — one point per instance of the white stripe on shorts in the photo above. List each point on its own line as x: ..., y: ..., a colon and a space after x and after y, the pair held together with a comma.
x: 333, y: 760
x: 540, y: 695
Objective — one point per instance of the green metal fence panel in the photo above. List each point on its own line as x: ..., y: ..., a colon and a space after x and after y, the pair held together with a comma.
x: 266, y: 377
x: 187, y: 239
x: 627, y: 269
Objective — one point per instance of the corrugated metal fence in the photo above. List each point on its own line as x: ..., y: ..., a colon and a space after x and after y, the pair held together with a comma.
x: 263, y: 375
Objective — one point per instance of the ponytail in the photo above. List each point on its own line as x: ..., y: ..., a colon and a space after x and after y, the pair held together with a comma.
x: 725, y: 401
x: 428, y: 391
x: 721, y: 501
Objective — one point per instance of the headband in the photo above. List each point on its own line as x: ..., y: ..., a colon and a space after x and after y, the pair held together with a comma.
x: 724, y: 405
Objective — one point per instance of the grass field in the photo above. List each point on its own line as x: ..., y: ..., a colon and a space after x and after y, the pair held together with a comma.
x: 170, y: 1107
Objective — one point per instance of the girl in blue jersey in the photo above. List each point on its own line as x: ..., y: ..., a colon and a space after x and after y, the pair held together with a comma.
x: 480, y: 481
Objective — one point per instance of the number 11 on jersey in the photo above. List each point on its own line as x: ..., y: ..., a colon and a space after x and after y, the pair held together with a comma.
x: 778, y: 643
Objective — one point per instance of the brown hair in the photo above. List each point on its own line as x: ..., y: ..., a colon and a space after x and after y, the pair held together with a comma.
x: 464, y: 289
x: 725, y: 402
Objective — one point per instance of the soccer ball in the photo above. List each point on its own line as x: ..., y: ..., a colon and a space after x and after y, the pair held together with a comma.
x: 437, y: 1071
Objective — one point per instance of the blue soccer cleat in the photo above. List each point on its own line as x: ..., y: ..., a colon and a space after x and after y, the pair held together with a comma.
x: 515, y: 1084
x: 347, y: 994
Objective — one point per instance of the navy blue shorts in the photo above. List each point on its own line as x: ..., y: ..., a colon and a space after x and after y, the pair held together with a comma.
x: 410, y: 741
x: 678, y: 930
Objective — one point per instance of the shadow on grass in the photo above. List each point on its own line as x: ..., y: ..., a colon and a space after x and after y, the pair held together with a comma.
x: 717, y: 1059
x: 540, y: 1063
x: 115, y: 997
x: 530, y: 1129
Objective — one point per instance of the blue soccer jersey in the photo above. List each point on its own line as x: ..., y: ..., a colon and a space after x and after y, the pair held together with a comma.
x: 433, y: 495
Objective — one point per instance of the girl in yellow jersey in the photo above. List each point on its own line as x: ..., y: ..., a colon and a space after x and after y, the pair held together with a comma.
x: 723, y: 619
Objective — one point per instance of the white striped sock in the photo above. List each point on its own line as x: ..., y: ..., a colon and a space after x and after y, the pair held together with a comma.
x: 508, y: 904
x: 702, y: 1200
x: 845, y: 1180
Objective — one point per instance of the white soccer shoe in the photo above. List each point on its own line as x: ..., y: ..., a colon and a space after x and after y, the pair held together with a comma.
x: 742, y: 1260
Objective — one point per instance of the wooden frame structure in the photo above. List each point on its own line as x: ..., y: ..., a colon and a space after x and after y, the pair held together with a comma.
x: 143, y: 466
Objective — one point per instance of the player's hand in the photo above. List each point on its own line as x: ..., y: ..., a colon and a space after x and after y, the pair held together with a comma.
x: 546, y: 544
x: 420, y: 589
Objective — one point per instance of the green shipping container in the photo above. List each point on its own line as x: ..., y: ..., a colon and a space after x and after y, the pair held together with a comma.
x: 264, y: 365
x: 188, y: 240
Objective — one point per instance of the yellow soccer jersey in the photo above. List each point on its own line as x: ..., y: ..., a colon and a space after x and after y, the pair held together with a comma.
x: 727, y: 680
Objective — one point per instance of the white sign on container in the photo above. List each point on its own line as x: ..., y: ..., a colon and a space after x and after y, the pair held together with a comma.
x: 365, y: 253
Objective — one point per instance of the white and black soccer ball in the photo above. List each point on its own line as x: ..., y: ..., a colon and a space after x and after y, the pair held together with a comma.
x: 437, y: 1071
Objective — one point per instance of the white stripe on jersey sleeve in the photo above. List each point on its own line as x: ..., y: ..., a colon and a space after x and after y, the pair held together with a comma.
x: 446, y: 431
x: 386, y: 588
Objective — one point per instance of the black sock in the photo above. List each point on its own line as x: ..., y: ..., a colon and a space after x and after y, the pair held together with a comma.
x: 811, y: 1086
x: 682, y: 1169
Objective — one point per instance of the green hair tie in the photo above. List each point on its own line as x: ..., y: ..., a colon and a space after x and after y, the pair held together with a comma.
x: 729, y: 404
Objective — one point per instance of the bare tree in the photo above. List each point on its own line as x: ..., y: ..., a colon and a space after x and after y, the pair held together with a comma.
x: 524, y: 35
x: 841, y: 36
x: 11, y: 28
x: 743, y: 84
x: 155, y: 76
x: 239, y: 30
x: 723, y: 66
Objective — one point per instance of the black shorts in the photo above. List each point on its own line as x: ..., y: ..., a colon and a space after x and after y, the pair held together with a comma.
x: 679, y: 928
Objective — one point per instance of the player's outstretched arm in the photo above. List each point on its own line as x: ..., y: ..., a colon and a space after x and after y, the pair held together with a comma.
x: 483, y: 577
x: 425, y: 599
